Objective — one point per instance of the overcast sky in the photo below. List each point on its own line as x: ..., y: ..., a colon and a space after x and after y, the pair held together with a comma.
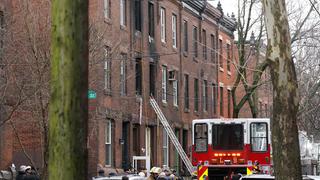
x: 228, y: 6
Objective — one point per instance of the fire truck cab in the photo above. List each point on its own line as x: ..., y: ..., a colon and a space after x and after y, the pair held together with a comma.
x: 228, y: 147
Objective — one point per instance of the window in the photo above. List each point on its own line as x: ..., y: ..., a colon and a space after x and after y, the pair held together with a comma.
x: 213, y: 48
x: 123, y: 75
x: 204, y: 44
x: 259, y: 137
x: 221, y: 101
x: 260, y: 108
x: 205, y: 95
x: 108, y: 143
x: 135, y: 140
x: 165, y: 148
x: 195, y: 41
x: 201, y: 137
x: 152, y: 78
x: 151, y: 19
x: 164, y: 84
x: 220, y: 53
x: 229, y: 103
x: 228, y: 56
x: 266, y: 109
x: 148, y: 141
x: 196, y: 94
x: 227, y: 136
x: 185, y: 35
x: 138, y: 76
x: 214, y: 98
x: 123, y: 12
x: 137, y: 17
x: 174, y: 30
x: 107, y: 9
x: 107, y: 69
x: 2, y: 20
x: 163, y: 24
x: 186, y: 91
x: 175, y: 93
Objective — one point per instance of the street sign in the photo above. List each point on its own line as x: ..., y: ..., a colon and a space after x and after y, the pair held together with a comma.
x: 92, y: 94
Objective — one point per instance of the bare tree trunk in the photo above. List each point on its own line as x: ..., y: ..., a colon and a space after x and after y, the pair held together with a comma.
x: 68, y: 109
x: 285, y: 143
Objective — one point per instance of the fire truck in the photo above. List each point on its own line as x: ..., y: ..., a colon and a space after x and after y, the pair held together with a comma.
x: 222, y: 148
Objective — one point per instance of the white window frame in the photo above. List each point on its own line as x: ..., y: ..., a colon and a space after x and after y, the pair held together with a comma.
x: 108, y: 142
x: 123, y: 82
x: 164, y: 84
x: 107, y: 69
x: 106, y: 9
x: 123, y: 17
x: 148, y: 141
x: 175, y: 92
x: 174, y: 30
x: 163, y: 24
x: 204, y: 96
x: 165, y: 148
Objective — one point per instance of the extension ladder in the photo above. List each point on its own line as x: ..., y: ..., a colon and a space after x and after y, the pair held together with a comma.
x: 172, y: 136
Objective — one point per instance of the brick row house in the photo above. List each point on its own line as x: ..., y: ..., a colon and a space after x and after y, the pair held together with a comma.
x: 170, y: 50
x: 179, y: 52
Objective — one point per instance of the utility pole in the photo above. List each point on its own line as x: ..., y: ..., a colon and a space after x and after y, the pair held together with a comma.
x: 68, y: 108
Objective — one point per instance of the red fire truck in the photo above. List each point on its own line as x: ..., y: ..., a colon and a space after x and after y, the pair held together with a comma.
x: 226, y: 147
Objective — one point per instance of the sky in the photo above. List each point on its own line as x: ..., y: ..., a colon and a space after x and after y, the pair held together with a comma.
x: 228, y: 6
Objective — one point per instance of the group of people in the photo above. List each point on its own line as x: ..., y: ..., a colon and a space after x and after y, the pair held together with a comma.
x: 156, y: 173
x: 27, y: 173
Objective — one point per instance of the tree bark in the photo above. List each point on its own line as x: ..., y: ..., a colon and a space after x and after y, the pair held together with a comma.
x: 68, y: 109
x: 285, y: 143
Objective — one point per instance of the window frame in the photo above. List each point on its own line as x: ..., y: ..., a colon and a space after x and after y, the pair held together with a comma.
x: 185, y: 35
x: 204, y: 44
x: 107, y: 69
x: 195, y: 41
x: 214, y: 98
x: 151, y: 22
x: 107, y: 9
x: 163, y: 24
x: 228, y: 56
x: 194, y: 137
x: 174, y: 30
x: 164, y: 79
x: 196, y: 94
x: 266, y: 137
x: 123, y: 12
x: 205, y: 95
x: 138, y: 15
x: 165, y: 148
x: 221, y: 101
x: 108, y: 143
x: 229, y: 103
x: 175, y: 92
x: 186, y: 92
x: 213, y: 48
x: 221, y: 53
x: 123, y: 74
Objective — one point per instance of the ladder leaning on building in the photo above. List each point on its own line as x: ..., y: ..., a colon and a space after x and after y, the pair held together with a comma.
x: 172, y: 136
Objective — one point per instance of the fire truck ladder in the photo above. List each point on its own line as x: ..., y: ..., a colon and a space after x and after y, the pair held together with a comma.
x: 172, y: 136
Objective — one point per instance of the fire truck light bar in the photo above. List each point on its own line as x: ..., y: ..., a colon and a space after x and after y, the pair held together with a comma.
x: 228, y: 154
